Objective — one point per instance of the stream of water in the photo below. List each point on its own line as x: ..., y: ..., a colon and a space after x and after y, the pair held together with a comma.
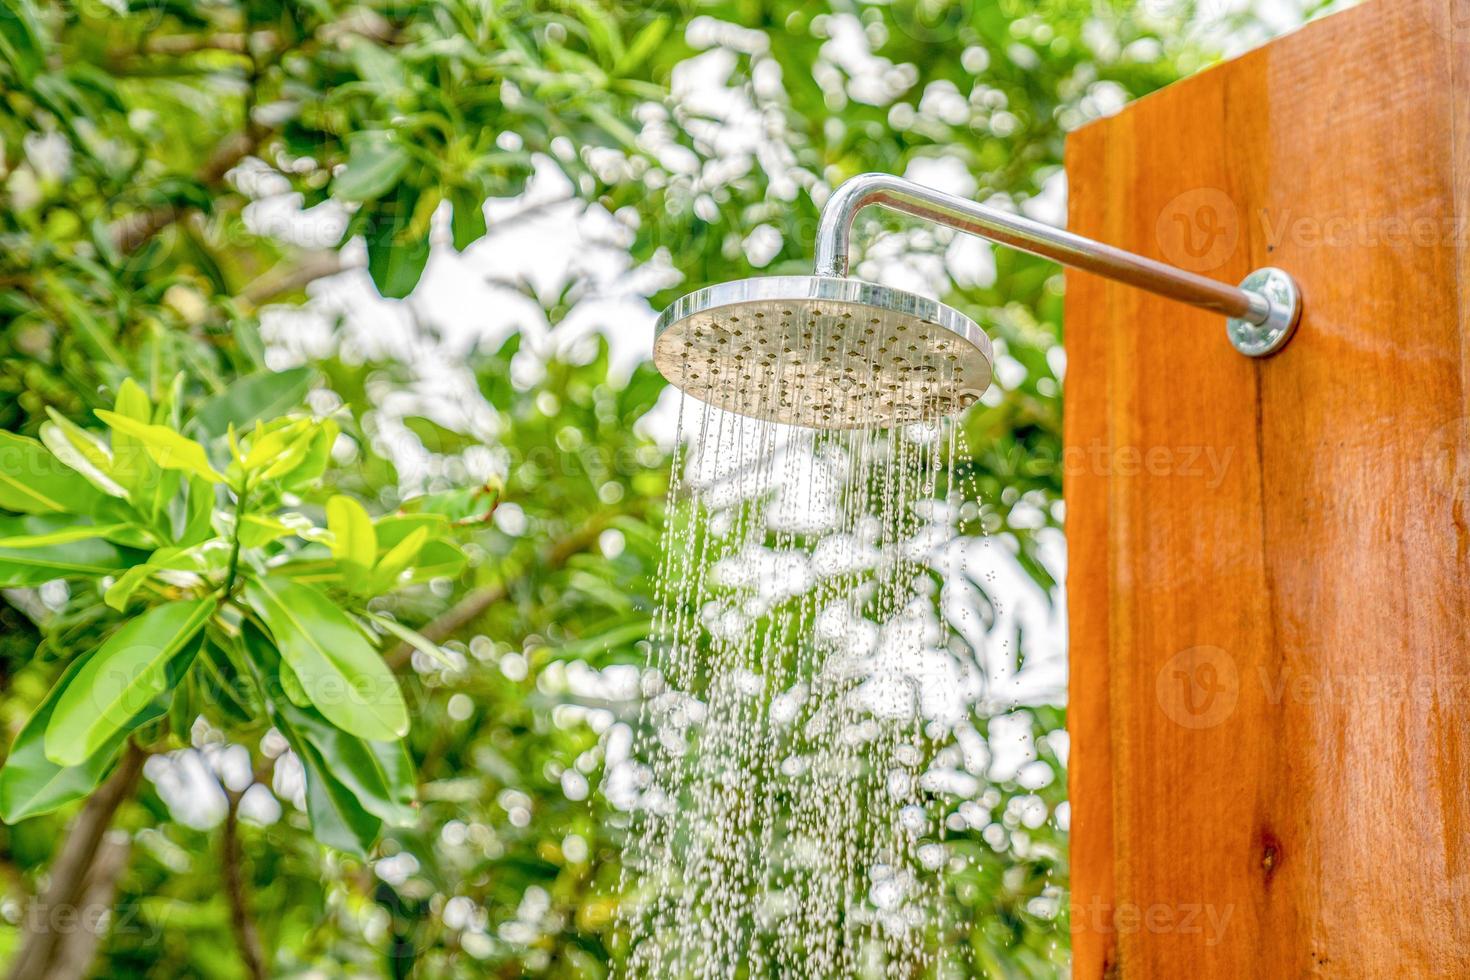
x: 808, y: 669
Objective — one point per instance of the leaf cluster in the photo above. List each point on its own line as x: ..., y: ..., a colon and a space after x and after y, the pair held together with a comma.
x: 239, y: 596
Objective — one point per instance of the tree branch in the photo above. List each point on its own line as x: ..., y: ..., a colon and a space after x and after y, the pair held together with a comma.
x: 241, y: 922
x: 132, y: 231
x: 232, y: 41
x: 477, y: 601
x: 71, y: 869
x: 290, y: 276
x: 77, y: 948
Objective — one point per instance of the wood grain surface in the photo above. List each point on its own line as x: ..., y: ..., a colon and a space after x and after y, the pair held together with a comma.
x: 1270, y: 565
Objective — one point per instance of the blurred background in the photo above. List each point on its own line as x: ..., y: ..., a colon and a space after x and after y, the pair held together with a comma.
x: 451, y: 226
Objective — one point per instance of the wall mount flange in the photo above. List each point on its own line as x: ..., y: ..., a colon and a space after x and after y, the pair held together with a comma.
x: 1269, y: 336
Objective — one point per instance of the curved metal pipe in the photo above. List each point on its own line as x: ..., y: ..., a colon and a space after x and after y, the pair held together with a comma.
x: 897, y: 194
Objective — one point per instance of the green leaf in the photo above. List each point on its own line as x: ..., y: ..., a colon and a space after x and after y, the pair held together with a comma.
x: 32, y: 564
x: 374, y: 165
x: 294, y: 456
x: 322, y: 572
x: 379, y: 774
x: 437, y: 438
x: 291, y: 686
x: 32, y: 784
x: 150, y: 486
x: 396, y: 259
x: 278, y: 446
x: 20, y: 42
x: 643, y: 46
x: 183, y: 701
x: 64, y: 535
x: 342, y: 674
x: 133, y: 401
x: 194, y: 518
x: 393, y: 528
x: 640, y: 393
x: 492, y: 374
x: 259, y: 396
x: 377, y: 66
x: 82, y: 451
x: 34, y: 481
x: 438, y: 559
x: 167, y: 412
x: 337, y: 818
x: 467, y: 219
x: 121, y: 591
x: 314, y: 462
x: 222, y: 685
x: 354, y: 542
x: 470, y: 505
x: 119, y: 523
x: 131, y: 466
x: 397, y: 560
x: 96, y: 335
x: 166, y: 447
x: 257, y: 530
x: 130, y: 670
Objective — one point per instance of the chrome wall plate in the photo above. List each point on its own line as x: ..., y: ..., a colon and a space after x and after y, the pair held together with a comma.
x: 1263, y: 339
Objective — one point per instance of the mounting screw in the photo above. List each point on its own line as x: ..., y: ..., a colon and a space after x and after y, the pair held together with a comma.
x: 1268, y: 337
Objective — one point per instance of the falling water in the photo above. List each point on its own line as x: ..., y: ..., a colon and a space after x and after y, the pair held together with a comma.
x: 801, y: 658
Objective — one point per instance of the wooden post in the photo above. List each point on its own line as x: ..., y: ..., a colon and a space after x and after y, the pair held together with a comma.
x: 1270, y: 572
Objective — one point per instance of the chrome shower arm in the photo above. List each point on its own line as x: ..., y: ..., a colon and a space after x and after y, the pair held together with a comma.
x: 897, y: 194
x: 1263, y: 310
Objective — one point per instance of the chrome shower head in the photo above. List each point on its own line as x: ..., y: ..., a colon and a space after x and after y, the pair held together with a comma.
x: 823, y: 351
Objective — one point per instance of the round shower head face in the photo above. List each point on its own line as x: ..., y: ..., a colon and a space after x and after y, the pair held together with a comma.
x: 823, y: 352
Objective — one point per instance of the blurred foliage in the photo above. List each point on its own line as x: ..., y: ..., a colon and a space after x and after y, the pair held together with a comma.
x: 138, y: 139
